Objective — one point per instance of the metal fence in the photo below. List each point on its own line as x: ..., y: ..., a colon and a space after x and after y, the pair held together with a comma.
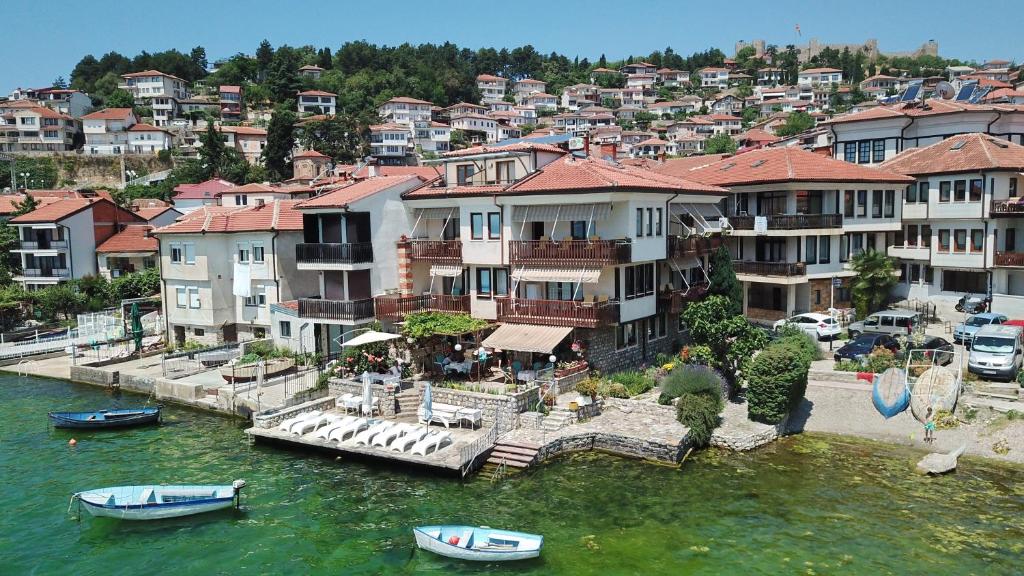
x: 189, y: 362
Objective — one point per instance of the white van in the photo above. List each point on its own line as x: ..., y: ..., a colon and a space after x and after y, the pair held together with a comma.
x: 996, y: 352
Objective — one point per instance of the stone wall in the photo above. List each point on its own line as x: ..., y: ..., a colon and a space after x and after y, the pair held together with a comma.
x: 272, y: 418
x: 386, y: 394
x: 614, y: 443
x: 824, y: 285
x: 748, y: 441
x: 93, y: 375
x: 628, y: 406
x: 602, y: 355
x: 492, y: 406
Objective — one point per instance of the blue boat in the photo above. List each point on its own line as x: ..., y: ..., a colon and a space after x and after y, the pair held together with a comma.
x: 106, y: 418
x: 155, y: 502
x: 890, y: 393
x: 481, y: 544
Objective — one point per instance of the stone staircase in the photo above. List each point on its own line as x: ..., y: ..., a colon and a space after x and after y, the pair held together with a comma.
x: 408, y: 401
x: 515, y: 456
x: 1004, y: 391
x: 557, y: 419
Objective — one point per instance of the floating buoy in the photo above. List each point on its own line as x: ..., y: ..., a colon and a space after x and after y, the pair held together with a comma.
x: 72, y: 442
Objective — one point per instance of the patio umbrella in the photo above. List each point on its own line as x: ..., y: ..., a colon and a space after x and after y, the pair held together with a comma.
x: 427, y: 402
x: 137, y: 326
x: 367, y: 394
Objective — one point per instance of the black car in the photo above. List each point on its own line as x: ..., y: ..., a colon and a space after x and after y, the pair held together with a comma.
x: 936, y: 347
x: 863, y: 345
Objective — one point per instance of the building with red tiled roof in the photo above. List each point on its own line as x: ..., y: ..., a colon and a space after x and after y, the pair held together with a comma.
x: 117, y: 131
x: 162, y: 92
x: 26, y: 126
x: 130, y: 250
x: 492, y: 88
x: 188, y: 197
x: 158, y: 215
x: 317, y: 102
x: 311, y: 71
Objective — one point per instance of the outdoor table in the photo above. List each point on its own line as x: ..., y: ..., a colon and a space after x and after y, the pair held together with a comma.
x: 460, y: 367
x: 526, y: 375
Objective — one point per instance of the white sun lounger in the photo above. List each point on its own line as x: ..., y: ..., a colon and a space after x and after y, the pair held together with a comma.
x: 385, y: 437
x: 350, y: 429
x: 286, y: 424
x: 366, y: 436
x: 312, y: 423
x: 433, y: 441
x: 325, y: 431
x: 410, y: 438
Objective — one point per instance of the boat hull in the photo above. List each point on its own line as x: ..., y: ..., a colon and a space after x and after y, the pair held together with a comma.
x: 105, y: 418
x: 889, y: 393
x: 426, y: 539
x: 157, y: 511
x: 155, y: 502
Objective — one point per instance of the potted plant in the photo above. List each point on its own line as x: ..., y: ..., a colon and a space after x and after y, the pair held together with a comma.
x: 587, y: 389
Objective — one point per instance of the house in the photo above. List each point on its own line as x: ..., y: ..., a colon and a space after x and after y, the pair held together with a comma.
x: 673, y: 107
x: 492, y: 88
x: 1004, y: 96
x: 247, y: 140
x: 880, y: 85
x: 612, y: 281
x: 525, y: 86
x: 310, y: 71
x: 653, y: 148
x: 223, y: 268
x: 580, y: 96
x: 769, y: 76
x: 756, y: 138
x: 255, y: 194
x: 189, y: 197
x: 714, y: 77
x: 815, y: 76
x: 57, y: 241
x: 961, y: 218
x: 230, y: 103
x: 481, y: 129
x: 130, y: 250
x: 406, y: 111
x: 147, y: 139
x: 638, y: 68
x: 390, y: 140
x: 27, y: 127
x: 107, y: 131
x: 724, y: 123
x: 797, y: 218
x: 161, y: 92
x: 541, y: 101
x: 642, y: 81
x: 317, y: 102
x: 73, y: 103
x: 348, y: 244
x: 728, y: 104
x: 156, y: 213
x: 463, y: 108
x: 672, y: 78
x: 309, y: 165
x: 955, y: 72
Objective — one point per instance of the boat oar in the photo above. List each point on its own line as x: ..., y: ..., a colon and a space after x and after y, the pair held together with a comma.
x: 76, y: 498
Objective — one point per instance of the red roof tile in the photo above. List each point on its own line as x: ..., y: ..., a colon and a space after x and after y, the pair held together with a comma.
x: 150, y: 212
x: 149, y: 73
x: 758, y: 135
x: 962, y: 153
x: 316, y: 93
x: 146, y: 128
x: 243, y: 130
x: 426, y: 173
x: 357, y: 191
x: 788, y: 164
x: 109, y: 114
x: 934, y: 107
x: 590, y: 174
x: 131, y: 239
x: 309, y: 154
x: 493, y: 149
x: 407, y: 100
x: 231, y: 89
x: 202, y: 190
x: 57, y: 211
x: 488, y: 78
x: 276, y: 215
x: 820, y: 71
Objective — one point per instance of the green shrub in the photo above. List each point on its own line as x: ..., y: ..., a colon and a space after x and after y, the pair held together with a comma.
x: 697, y: 355
x: 698, y: 408
x: 776, y: 382
x: 690, y: 379
x: 613, y: 390
x: 880, y: 360
x: 635, y: 382
x: 661, y: 359
x: 801, y: 342
x: 588, y: 386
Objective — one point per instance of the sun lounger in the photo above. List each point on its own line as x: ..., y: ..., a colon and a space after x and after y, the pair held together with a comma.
x: 366, y: 436
x: 351, y: 429
x: 433, y: 441
x: 286, y: 424
x: 385, y: 437
x: 312, y: 423
x: 403, y: 443
x: 325, y: 431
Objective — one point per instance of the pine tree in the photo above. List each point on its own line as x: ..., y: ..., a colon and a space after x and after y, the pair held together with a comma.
x: 723, y: 279
x: 212, y: 152
x: 280, y: 141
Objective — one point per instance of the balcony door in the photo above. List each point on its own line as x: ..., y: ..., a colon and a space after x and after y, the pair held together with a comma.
x: 359, y: 285
x: 357, y: 227
x: 770, y: 249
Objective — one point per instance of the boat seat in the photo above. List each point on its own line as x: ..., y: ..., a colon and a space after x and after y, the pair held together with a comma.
x: 148, y: 496
x: 111, y: 501
x: 467, y: 538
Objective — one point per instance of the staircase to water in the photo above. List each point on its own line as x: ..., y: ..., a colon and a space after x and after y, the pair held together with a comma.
x: 509, y: 457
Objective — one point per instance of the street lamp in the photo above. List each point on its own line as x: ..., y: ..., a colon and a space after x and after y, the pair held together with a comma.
x: 24, y: 177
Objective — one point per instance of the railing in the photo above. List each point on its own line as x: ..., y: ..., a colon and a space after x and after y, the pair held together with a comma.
x: 1006, y: 208
x: 562, y: 252
x: 790, y: 221
x: 1009, y: 259
x: 348, y: 253
x: 46, y: 273
x: 679, y: 247
x: 470, y: 452
x: 188, y: 362
x: 437, y: 250
x: 675, y: 300
x: 50, y: 245
x: 770, y: 268
x: 351, y: 310
x: 395, y: 307
x: 557, y: 312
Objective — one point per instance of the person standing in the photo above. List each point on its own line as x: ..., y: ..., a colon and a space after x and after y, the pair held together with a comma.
x: 929, y: 425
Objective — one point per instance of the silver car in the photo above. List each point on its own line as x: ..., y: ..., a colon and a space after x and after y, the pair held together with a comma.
x: 891, y: 322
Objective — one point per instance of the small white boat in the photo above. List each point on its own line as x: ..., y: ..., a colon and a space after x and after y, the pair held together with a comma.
x: 154, y: 502
x: 481, y: 544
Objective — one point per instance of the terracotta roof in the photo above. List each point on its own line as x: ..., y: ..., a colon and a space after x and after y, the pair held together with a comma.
x: 460, y: 104
x: 788, y: 164
x: 146, y: 128
x: 935, y: 107
x: 149, y: 73
x: 57, y: 211
x: 311, y: 67
x: 758, y: 135
x: 389, y: 127
x: 150, y: 212
x: 243, y: 130
x: 517, y: 147
x: 653, y: 142
x: 426, y: 173
x: 131, y: 239
x: 276, y: 215
x: 820, y: 71
x: 9, y: 202
x: 42, y: 111
x: 985, y: 81
x: 316, y: 93
x: 999, y: 93
x: 591, y: 174
x: 529, y: 81
x: 231, y: 89
x: 309, y: 154
x: 489, y: 78
x: 962, y: 153
x: 202, y: 190
x: 109, y: 114
x: 356, y: 191
x: 408, y: 100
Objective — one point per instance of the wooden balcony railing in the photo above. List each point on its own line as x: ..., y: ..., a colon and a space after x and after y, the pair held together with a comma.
x: 562, y: 252
x: 351, y: 310
x: 679, y: 247
x: 448, y: 251
x: 770, y: 268
x: 1006, y: 208
x: 675, y: 300
x: 790, y: 221
x: 1015, y: 259
x: 394, y: 307
x: 572, y: 313
x: 348, y: 253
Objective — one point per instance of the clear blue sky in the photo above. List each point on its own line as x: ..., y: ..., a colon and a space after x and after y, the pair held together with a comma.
x: 45, y: 40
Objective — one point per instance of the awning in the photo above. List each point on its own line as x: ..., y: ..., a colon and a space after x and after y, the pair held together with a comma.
x: 526, y: 338
x: 580, y: 275
x: 449, y: 270
x: 561, y: 212
x: 437, y: 213
x: 370, y: 337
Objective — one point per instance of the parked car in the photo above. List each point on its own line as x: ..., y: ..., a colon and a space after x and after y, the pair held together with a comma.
x: 964, y: 332
x: 821, y: 326
x: 935, y: 347
x: 864, y: 344
x: 892, y: 322
x: 996, y: 352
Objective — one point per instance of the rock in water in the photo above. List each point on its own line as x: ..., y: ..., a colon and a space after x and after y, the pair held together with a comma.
x: 940, y: 463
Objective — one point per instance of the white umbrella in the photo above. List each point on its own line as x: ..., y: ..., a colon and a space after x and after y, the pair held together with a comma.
x: 367, y: 394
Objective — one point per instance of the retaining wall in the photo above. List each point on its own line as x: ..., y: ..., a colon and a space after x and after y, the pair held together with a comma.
x: 493, y: 407
x: 750, y: 441
x: 616, y: 444
x: 386, y: 394
x: 272, y: 418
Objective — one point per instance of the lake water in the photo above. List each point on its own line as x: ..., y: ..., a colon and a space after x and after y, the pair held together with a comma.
x: 805, y: 505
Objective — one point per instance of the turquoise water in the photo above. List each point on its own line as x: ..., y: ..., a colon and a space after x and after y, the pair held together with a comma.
x: 806, y: 505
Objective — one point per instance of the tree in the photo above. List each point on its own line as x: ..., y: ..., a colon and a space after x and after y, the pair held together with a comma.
x: 876, y: 275
x: 324, y: 58
x: 458, y: 139
x: 732, y: 340
x: 27, y: 205
x: 120, y: 99
x: 264, y: 56
x: 339, y: 137
x: 10, y: 262
x: 750, y: 115
x: 60, y: 83
x: 212, y: 151
x: 722, y: 279
x: 280, y: 142
x: 796, y: 123
x: 198, y: 57
x: 720, y: 143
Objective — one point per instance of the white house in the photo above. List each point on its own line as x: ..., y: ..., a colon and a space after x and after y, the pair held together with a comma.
x: 815, y: 76
x: 714, y: 77
x: 390, y: 140
x: 492, y: 88
x: 74, y: 103
x: 404, y: 110
x: 161, y: 92
x: 317, y: 102
x: 26, y: 127
x: 107, y: 131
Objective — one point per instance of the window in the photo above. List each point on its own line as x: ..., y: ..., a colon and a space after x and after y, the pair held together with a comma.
x: 639, y: 222
x: 929, y: 275
x: 862, y: 203
x: 922, y: 191
x: 578, y: 229
x: 960, y: 240
x: 176, y: 253
x: 911, y: 235
x: 476, y: 224
x: 658, y: 222
x: 257, y: 252
x: 625, y: 335
x: 241, y: 200
x: 848, y: 203
x: 639, y: 281
x: 494, y: 225
x: 876, y: 203
x: 824, y: 249
x: 864, y: 152
x: 258, y: 297
x: 285, y: 327
x: 944, y: 240
x: 977, y: 240
x: 960, y: 191
x: 962, y: 281
x: 890, y: 204
x: 483, y: 282
x: 193, y: 297
x: 199, y: 331
x: 1013, y: 187
x: 811, y: 251
x: 190, y: 253
x: 877, y: 150
x: 650, y: 221
x: 505, y: 171
x: 944, y: 188
x: 243, y: 253
x: 976, y: 190
x: 464, y: 173
x: 850, y: 152
x: 182, y: 299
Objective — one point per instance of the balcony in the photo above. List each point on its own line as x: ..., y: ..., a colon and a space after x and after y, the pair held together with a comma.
x: 394, y: 307
x: 770, y: 268
x: 696, y: 246
x: 1006, y: 208
x: 910, y: 252
x: 557, y: 312
x: 443, y: 251
x: 675, y: 300
x: 348, y: 253
x: 562, y: 252
x: 790, y: 221
x: 44, y: 245
x: 345, y: 310
x: 1009, y: 259
x: 46, y: 273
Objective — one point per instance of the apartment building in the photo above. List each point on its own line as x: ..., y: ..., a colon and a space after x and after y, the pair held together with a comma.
x: 879, y: 85
x: 189, y: 197
x: 222, y: 268
x: 230, y: 103
x: 673, y: 107
x: 484, y: 129
x: 580, y: 96
x: 816, y: 76
x: 540, y: 101
x: 161, y: 92
x: 797, y: 218
x: 492, y: 88
x: 317, y: 102
x: 525, y: 86
x: 714, y: 77
x: 107, y: 131
x: 27, y: 127
x: 407, y: 111
x: 131, y: 250
x: 672, y: 78
x: 769, y: 76
x: 74, y: 103
x: 57, y: 241
x: 248, y: 140
x: 638, y: 68
x: 390, y: 140
x: 557, y: 249
x: 961, y: 219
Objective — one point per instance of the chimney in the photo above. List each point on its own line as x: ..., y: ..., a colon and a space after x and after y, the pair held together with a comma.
x: 608, y: 150
x: 371, y: 170
x: 405, y: 284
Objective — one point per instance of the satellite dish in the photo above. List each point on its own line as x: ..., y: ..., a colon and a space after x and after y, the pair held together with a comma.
x: 945, y: 90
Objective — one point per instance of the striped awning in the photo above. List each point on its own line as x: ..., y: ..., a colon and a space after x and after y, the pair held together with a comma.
x: 561, y: 212
x: 437, y: 213
x: 526, y: 338
x: 706, y: 210
x: 538, y: 274
x: 449, y: 270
